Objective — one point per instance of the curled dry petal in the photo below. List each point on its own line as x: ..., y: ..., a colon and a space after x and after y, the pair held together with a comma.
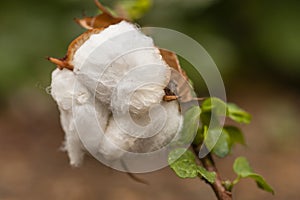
x: 102, y: 20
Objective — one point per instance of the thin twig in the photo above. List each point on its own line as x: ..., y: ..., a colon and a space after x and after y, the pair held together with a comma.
x: 217, y: 186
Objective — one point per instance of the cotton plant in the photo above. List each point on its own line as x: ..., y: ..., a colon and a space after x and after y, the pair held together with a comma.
x: 118, y: 92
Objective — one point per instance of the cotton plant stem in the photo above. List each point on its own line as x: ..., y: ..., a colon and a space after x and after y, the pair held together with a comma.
x: 217, y: 186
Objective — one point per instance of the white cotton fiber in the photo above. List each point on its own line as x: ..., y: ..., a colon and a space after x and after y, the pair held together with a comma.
x: 78, y: 114
x: 62, y: 90
x: 110, y: 56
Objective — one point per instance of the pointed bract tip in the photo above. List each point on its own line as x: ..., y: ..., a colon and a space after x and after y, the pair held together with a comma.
x: 60, y: 63
x: 101, y: 7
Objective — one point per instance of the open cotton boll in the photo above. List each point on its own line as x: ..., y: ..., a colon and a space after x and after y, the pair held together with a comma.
x: 110, y: 94
x: 113, y: 92
x: 109, y: 56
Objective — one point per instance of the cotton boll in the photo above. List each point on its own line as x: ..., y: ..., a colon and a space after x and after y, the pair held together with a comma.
x: 111, y: 103
x: 110, y: 94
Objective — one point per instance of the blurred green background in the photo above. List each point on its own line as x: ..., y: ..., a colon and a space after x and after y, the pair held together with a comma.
x: 255, y: 44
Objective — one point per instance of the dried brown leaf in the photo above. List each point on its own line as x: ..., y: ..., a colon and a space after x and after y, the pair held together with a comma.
x: 178, y: 87
x: 102, y: 20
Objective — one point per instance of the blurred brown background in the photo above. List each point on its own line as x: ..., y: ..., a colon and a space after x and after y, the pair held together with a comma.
x: 256, y: 45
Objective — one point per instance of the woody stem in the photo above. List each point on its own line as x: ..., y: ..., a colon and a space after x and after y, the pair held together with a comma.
x: 218, y: 188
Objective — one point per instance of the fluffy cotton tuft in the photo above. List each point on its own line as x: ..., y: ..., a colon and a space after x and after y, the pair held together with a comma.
x: 62, y: 90
x: 110, y: 60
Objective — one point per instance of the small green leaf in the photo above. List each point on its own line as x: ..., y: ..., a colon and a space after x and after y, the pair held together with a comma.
x: 222, y: 147
x: 261, y: 182
x: 235, y: 135
x: 183, y: 163
x: 190, y: 125
x: 221, y: 144
x: 219, y: 108
x: 215, y: 105
x: 209, y: 176
x: 212, y: 109
x: 237, y: 114
x: 218, y: 141
x: 242, y: 169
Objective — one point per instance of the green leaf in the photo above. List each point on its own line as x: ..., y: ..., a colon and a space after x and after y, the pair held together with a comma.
x: 242, y: 169
x: 209, y: 176
x: 212, y: 109
x: 235, y: 135
x: 237, y: 114
x: 215, y: 105
x: 222, y: 147
x: 218, y: 141
x: 183, y: 163
x: 221, y: 144
x: 190, y: 125
x: 219, y: 108
x: 261, y: 182
x: 209, y: 120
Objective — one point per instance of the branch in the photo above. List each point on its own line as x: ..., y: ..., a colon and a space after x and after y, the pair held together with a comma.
x: 217, y: 186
